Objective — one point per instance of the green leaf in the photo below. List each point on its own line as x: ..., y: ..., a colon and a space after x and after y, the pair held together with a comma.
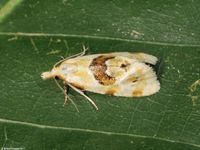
x: 33, y: 36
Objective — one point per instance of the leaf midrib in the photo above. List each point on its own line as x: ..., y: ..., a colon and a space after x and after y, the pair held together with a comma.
x: 25, y: 34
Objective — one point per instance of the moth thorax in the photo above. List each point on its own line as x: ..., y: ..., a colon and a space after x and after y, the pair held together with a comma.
x: 68, y: 68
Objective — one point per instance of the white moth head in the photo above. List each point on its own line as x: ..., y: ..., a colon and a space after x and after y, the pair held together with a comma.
x: 61, y: 71
x: 50, y: 74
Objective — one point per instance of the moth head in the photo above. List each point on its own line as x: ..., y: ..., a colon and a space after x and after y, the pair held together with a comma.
x: 50, y: 74
x: 60, y: 72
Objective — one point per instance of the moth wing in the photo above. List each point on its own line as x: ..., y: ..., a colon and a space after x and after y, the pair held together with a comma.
x: 132, y: 76
x: 141, y: 57
x: 119, y: 66
x: 139, y: 80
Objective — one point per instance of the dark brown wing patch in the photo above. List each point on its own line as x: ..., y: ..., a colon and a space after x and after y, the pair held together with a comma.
x: 125, y: 66
x: 98, y: 68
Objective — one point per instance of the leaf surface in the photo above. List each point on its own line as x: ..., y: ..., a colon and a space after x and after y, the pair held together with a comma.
x: 33, y: 36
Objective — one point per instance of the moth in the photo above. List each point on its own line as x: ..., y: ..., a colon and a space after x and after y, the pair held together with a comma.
x: 118, y: 74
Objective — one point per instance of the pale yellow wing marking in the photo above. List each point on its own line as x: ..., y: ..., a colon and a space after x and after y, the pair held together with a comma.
x: 135, y: 80
x: 112, y: 90
x: 141, y: 77
x: 141, y: 57
x: 119, y: 67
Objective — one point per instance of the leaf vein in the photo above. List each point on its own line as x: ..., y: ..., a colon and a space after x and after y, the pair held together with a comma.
x: 2, y: 120
x: 97, y: 37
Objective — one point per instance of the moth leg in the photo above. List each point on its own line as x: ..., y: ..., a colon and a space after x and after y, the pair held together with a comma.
x: 65, y: 88
x: 80, y: 92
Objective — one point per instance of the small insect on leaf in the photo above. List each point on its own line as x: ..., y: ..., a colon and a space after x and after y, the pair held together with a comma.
x: 118, y: 74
